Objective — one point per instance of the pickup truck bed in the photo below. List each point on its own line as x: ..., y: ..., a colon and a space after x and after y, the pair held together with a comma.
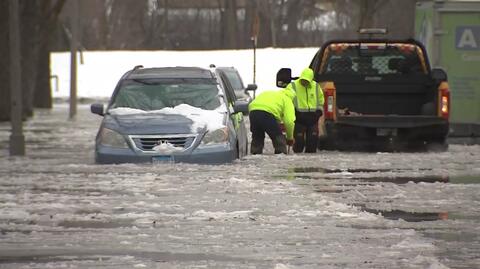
x: 384, y: 96
x: 389, y: 95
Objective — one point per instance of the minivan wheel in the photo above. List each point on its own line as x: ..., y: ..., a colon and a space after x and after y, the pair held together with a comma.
x: 238, y: 151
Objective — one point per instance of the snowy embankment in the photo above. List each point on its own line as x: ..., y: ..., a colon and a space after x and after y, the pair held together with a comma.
x: 101, y: 70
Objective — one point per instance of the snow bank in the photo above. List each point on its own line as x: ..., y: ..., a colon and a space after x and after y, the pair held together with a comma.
x: 101, y: 70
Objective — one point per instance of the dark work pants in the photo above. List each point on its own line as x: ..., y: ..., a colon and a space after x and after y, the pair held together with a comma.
x: 306, y: 131
x: 262, y: 122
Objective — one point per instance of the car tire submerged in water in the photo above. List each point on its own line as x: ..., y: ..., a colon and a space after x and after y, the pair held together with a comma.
x: 437, y: 146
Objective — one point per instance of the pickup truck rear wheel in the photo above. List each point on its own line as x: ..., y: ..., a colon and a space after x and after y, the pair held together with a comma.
x: 437, y: 146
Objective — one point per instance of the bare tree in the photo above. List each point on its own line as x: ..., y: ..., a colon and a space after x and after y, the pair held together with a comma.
x: 37, y: 18
x: 229, y: 17
x: 30, y: 41
x: 93, y: 23
x: 4, y: 64
x: 49, y: 12
x: 127, y: 24
x: 293, y: 15
x: 398, y: 17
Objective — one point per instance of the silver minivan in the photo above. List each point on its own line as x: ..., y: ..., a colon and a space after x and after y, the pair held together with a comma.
x: 172, y: 114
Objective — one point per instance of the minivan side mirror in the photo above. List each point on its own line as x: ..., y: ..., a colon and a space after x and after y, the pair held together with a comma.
x: 284, y: 76
x: 241, y: 106
x: 251, y: 88
x: 97, y: 109
x: 439, y: 74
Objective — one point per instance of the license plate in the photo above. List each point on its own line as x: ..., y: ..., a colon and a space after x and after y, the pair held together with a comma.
x: 162, y: 159
x: 386, y: 132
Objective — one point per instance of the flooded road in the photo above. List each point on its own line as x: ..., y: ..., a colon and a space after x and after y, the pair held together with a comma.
x: 327, y: 210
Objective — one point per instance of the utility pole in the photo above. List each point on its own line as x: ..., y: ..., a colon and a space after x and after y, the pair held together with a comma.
x: 73, y: 59
x: 17, y: 139
x: 255, y: 31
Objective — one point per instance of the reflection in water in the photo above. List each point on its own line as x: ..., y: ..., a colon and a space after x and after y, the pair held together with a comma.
x: 328, y: 190
x: 332, y: 171
x: 465, y: 179
x: 405, y: 215
x: 405, y: 180
x: 96, y: 224
x: 308, y: 173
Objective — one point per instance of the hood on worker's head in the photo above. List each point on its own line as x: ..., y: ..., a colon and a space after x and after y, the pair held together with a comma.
x: 288, y: 92
x: 307, y: 74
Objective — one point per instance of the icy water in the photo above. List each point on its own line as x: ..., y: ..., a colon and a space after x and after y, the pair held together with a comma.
x: 327, y: 210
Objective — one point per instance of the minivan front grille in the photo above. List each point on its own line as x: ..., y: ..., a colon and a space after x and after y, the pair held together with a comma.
x: 146, y: 143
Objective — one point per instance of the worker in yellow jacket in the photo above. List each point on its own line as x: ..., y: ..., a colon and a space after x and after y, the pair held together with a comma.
x: 266, y: 112
x: 308, y: 110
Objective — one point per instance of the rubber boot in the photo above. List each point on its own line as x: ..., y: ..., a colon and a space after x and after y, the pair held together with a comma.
x: 280, y: 144
x: 256, y: 147
x: 311, y: 138
x: 299, y: 135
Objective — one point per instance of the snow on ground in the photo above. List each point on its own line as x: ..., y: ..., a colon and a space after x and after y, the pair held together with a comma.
x: 327, y: 210
x: 101, y: 70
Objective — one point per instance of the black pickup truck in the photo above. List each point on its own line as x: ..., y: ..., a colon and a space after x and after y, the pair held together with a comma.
x: 380, y: 95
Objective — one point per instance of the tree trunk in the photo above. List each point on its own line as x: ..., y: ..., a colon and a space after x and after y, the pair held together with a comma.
x: 29, y: 50
x: 230, y: 21
x: 49, y: 12
x: 366, y: 13
x: 370, y: 13
x: 294, y: 8
x: 265, y: 16
x: 273, y: 29
x: 250, y: 9
x: 399, y: 18
x: 127, y: 24
x: 43, y: 91
x: 166, y: 43
x: 4, y: 63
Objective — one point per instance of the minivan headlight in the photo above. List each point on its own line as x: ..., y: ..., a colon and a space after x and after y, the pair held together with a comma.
x: 217, y: 136
x: 110, y: 138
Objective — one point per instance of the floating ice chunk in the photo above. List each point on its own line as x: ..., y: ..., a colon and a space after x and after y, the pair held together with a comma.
x: 222, y: 215
x: 412, y: 243
x: 281, y: 266
x: 346, y: 215
x: 431, y: 262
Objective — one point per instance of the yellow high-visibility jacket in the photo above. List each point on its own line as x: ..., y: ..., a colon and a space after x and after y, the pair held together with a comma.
x: 310, y: 98
x: 278, y: 103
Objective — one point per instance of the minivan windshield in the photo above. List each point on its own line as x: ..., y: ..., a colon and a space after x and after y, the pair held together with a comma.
x: 155, y: 94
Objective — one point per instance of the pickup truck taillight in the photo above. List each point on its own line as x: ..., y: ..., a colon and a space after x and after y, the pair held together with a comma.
x: 329, y: 98
x: 444, y: 100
